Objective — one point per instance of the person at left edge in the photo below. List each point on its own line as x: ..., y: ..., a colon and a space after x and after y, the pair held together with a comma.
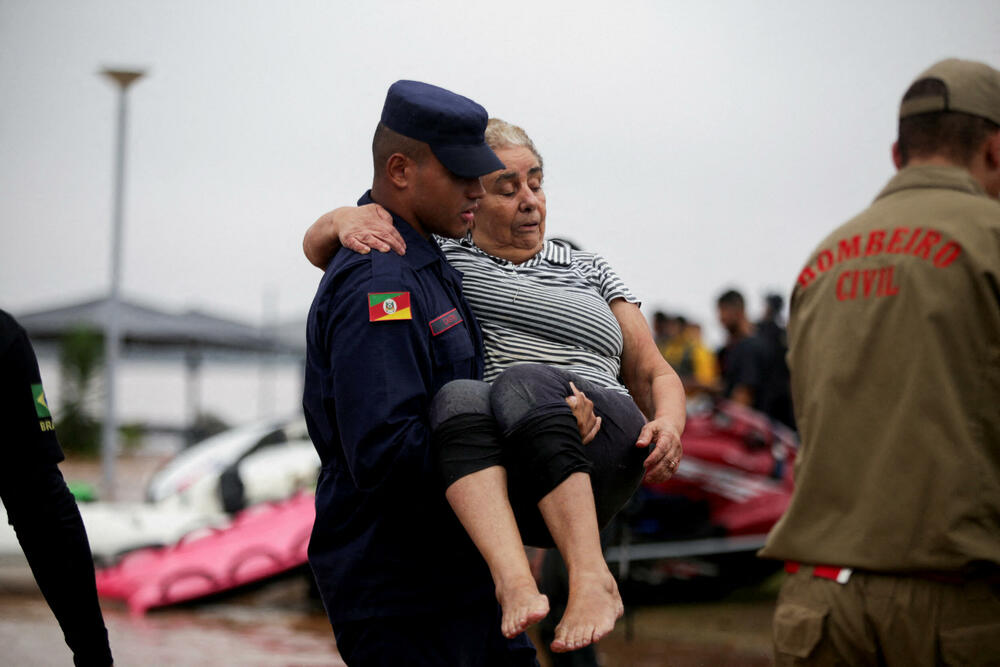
x: 39, y: 505
x: 401, y: 582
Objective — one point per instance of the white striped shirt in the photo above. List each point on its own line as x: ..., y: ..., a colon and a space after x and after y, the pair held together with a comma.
x: 552, y: 309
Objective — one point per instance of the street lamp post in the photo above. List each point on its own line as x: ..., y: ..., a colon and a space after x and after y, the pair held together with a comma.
x: 112, y: 331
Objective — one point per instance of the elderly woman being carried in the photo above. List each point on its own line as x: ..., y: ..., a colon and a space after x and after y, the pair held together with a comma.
x: 553, y: 442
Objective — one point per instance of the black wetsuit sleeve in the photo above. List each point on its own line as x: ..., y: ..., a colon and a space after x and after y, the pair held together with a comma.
x: 45, y: 517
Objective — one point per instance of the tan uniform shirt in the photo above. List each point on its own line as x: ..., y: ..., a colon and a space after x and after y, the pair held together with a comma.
x: 894, y: 350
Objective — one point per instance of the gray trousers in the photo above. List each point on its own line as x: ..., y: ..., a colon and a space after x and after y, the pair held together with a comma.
x: 522, y: 421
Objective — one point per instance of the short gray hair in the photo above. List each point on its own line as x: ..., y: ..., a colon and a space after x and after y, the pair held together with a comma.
x: 501, y: 134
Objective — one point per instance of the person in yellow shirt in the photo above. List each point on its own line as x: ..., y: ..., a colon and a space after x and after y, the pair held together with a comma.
x: 679, y: 341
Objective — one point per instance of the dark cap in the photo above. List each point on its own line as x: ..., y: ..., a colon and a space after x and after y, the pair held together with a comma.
x: 970, y: 87
x: 452, y: 125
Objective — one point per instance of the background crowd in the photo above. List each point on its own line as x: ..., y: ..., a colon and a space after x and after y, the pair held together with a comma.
x: 748, y: 368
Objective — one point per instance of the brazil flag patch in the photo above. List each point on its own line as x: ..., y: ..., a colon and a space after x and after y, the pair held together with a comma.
x: 383, y: 306
x: 41, y: 404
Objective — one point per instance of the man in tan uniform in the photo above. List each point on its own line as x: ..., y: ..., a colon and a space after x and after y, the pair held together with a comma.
x: 892, y: 537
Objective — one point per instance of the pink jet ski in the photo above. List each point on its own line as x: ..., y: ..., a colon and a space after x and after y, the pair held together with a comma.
x: 260, y: 542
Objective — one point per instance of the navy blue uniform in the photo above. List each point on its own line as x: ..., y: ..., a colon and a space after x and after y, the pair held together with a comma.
x: 385, y: 542
x: 39, y: 505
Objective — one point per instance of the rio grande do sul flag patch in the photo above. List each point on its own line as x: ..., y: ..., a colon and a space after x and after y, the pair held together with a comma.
x: 384, y: 306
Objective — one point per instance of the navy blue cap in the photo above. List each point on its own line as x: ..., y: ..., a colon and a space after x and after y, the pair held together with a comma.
x: 452, y: 125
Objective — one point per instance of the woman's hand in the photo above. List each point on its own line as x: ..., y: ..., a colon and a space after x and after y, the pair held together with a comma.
x: 664, y: 440
x: 369, y: 227
x: 583, y: 409
x: 360, y: 229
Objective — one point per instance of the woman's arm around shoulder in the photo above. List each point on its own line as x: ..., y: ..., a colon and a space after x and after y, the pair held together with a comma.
x: 359, y: 228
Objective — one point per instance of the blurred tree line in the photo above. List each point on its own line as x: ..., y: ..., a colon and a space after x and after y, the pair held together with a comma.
x: 81, y: 359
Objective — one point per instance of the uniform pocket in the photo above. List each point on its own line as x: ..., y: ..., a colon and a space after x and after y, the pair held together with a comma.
x: 798, y: 629
x: 972, y: 645
x: 453, y: 346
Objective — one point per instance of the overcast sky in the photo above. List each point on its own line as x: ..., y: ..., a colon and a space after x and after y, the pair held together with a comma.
x: 696, y: 145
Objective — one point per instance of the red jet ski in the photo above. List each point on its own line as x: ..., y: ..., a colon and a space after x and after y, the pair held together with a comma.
x: 732, y: 485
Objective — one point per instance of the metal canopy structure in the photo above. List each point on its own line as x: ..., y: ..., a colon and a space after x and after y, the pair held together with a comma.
x: 148, y: 329
x: 190, y: 336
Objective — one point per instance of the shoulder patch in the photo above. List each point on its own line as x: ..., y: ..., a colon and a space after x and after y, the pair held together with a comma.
x: 384, y: 306
x: 41, y: 403
x: 42, y: 408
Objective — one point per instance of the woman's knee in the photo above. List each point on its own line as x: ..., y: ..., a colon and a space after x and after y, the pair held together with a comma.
x: 464, y: 434
x: 460, y: 397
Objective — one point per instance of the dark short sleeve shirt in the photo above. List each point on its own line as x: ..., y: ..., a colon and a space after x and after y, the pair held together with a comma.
x: 385, y: 541
x: 742, y: 364
x: 28, y: 434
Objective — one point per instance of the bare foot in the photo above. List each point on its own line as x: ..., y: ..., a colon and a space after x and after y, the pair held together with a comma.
x: 594, y: 606
x: 522, y: 605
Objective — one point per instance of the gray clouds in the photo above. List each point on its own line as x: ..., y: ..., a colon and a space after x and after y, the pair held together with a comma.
x: 696, y: 145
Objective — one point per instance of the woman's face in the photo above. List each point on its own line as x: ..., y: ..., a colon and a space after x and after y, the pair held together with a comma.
x: 510, y: 222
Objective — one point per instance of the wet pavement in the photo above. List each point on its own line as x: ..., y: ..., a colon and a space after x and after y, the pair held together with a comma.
x: 276, y: 624
x: 270, y: 626
x: 709, y: 634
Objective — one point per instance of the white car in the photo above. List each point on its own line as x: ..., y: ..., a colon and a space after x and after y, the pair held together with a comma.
x: 203, y: 486
x: 269, y: 460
